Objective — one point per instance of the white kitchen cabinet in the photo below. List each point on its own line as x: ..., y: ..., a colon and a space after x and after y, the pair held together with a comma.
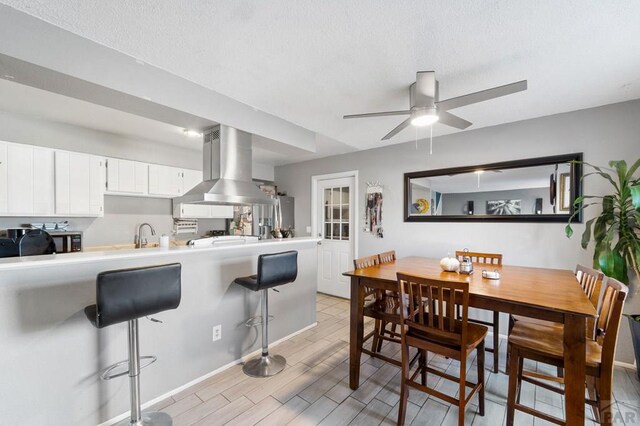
x: 43, y: 182
x: 79, y: 184
x: 165, y: 181
x: 126, y: 177
x: 225, y: 212
x: 26, y: 180
x: 202, y: 211
x: 190, y: 178
x: 3, y: 177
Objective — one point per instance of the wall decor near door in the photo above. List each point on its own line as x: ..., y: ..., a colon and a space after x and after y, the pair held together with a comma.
x: 373, y: 210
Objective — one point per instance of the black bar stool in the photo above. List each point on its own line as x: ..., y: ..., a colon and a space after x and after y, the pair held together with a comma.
x: 126, y: 295
x: 273, y: 270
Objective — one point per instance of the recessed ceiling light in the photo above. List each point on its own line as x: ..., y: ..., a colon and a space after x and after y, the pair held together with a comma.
x: 192, y: 133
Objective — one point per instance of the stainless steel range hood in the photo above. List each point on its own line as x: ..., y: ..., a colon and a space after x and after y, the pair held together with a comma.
x: 227, y: 171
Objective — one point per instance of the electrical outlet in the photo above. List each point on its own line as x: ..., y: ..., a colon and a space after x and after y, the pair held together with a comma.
x: 217, y: 332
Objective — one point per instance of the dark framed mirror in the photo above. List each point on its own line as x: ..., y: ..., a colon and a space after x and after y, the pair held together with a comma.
x: 530, y: 190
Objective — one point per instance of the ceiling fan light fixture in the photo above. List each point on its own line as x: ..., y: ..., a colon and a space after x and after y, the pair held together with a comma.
x: 424, y: 117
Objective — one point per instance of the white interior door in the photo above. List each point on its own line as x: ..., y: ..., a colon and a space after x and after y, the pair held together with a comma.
x: 336, y: 228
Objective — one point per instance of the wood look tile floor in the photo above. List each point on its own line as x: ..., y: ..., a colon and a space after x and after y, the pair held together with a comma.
x: 314, y: 388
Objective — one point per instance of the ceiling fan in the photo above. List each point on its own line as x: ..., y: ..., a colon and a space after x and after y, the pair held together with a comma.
x: 426, y: 108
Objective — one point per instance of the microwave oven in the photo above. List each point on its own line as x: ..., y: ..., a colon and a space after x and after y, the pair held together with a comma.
x: 67, y: 241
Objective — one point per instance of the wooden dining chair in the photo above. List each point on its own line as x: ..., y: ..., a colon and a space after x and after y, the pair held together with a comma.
x: 388, y: 257
x: 544, y: 343
x: 591, y: 282
x: 429, y: 324
x: 487, y: 259
x: 380, y: 307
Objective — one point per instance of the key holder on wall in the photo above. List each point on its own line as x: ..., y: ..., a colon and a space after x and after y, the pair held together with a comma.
x: 373, y: 209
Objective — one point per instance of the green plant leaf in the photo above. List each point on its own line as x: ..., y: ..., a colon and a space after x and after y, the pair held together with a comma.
x: 568, y: 231
x: 635, y: 196
x: 633, y: 169
x: 605, y: 260
x: 621, y: 168
x: 586, y: 235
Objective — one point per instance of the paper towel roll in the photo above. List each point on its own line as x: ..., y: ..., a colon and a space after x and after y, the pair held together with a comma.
x: 164, y: 241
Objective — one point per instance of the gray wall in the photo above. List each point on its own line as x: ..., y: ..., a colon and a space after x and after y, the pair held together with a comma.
x: 456, y: 204
x: 603, y: 134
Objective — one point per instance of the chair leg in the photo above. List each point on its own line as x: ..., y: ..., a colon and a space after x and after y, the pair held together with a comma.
x: 376, y: 333
x: 496, y: 341
x: 480, y: 361
x: 593, y: 395
x: 462, y: 394
x: 605, y: 398
x: 514, y: 360
x: 423, y: 367
x: 404, y: 389
x: 381, y: 331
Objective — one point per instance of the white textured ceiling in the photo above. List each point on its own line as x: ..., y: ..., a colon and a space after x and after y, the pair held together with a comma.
x: 310, y: 62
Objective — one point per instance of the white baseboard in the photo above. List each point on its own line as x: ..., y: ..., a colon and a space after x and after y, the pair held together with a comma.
x: 205, y: 377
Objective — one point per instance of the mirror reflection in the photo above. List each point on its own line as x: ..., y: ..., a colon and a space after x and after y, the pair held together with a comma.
x: 493, y: 192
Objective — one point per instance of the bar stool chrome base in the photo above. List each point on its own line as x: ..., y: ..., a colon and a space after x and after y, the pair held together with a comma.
x: 152, y: 418
x: 265, y: 366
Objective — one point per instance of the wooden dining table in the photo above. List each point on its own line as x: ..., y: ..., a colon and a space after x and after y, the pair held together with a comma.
x: 549, y: 294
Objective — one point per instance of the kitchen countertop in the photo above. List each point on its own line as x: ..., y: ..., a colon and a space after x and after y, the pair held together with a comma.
x: 15, y: 263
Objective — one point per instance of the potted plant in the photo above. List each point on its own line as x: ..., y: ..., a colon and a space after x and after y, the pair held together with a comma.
x: 616, y: 230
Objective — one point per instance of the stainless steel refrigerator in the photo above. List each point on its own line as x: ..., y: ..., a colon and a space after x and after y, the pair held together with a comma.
x: 265, y: 218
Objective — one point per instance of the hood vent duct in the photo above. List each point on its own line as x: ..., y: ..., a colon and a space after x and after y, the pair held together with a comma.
x: 227, y: 171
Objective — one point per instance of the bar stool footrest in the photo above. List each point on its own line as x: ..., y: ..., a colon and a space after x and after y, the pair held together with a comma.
x: 257, y: 320
x: 106, y: 373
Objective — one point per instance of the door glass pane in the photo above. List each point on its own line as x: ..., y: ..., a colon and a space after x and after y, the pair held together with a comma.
x: 345, y: 195
x: 327, y: 196
x: 327, y: 231
x: 345, y: 231
x: 336, y: 196
x: 336, y: 214
x: 336, y: 231
x: 327, y: 214
x: 345, y: 213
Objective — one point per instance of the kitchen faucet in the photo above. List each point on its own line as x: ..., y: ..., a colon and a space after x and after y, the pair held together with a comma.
x: 142, y: 242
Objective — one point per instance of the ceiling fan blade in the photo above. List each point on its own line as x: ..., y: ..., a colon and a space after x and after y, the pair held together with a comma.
x: 482, y: 96
x: 449, y: 119
x: 398, y: 129
x: 423, y: 91
x: 377, y: 114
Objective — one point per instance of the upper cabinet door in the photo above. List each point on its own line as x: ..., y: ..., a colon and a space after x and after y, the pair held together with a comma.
x: 79, y: 184
x: 126, y: 177
x: 43, y: 182
x: 3, y: 177
x: 165, y: 181
x: 191, y: 179
x: 19, y: 179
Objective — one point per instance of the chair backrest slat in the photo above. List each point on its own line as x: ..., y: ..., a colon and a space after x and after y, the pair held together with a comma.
x: 479, y: 257
x: 387, y: 256
x: 591, y: 282
x: 440, y: 297
x: 366, y: 262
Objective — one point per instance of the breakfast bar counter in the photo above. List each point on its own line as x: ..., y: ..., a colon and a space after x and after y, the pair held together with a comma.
x: 51, y: 355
